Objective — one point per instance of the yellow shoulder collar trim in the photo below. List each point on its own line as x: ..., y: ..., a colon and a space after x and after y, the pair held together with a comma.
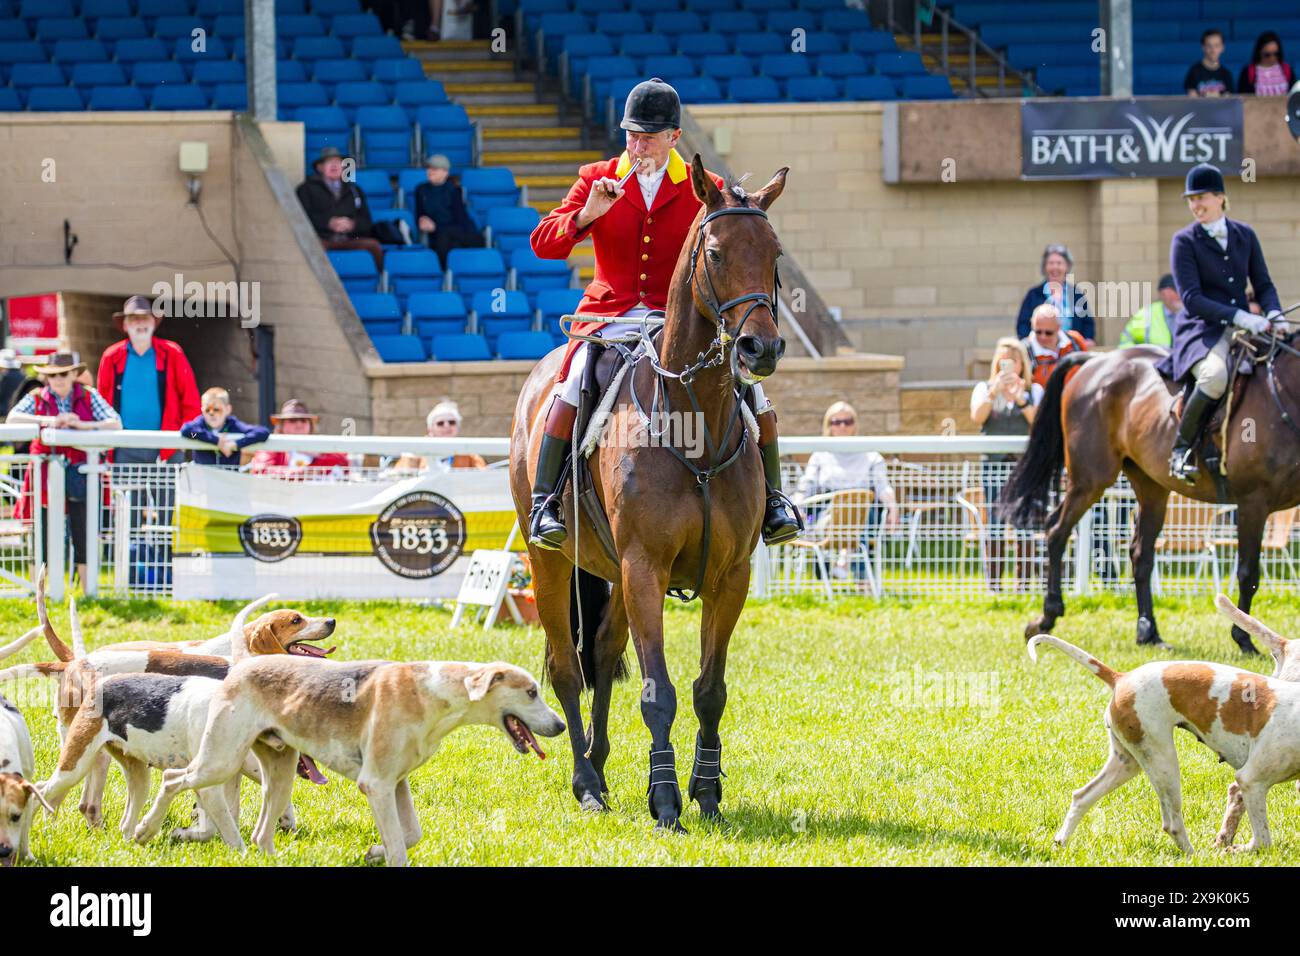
x: 676, y: 166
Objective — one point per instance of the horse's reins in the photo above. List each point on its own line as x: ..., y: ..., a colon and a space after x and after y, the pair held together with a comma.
x: 1272, y: 345
x: 711, y: 357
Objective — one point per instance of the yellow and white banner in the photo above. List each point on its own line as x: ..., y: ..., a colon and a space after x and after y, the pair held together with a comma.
x: 241, y: 535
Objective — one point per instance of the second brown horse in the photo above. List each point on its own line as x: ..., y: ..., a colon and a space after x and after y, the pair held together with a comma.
x: 1102, y: 414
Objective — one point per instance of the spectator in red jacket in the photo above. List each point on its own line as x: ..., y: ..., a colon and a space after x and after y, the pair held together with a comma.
x: 148, y: 380
x: 295, y: 419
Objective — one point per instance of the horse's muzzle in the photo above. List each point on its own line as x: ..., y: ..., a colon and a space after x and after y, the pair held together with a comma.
x: 758, y: 356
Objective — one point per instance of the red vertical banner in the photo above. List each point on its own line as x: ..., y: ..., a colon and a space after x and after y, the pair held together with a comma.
x: 34, y: 321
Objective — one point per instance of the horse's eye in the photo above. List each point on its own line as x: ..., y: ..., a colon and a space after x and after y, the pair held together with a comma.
x: 713, y: 256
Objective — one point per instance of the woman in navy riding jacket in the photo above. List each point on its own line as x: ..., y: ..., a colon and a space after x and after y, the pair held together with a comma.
x: 1213, y: 260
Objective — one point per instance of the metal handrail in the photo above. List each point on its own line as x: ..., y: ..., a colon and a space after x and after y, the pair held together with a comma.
x: 974, y: 44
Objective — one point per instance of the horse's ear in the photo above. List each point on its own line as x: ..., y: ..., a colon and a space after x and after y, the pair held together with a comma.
x: 706, y: 190
x: 767, y: 195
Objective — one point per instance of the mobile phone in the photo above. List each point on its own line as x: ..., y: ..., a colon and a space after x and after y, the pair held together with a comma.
x: 1005, y: 365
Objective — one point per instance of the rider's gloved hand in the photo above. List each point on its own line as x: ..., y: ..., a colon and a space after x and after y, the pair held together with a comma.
x: 1278, y: 323
x: 1250, y: 322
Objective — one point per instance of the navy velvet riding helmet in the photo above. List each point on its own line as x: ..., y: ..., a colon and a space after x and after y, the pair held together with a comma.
x: 1204, y: 178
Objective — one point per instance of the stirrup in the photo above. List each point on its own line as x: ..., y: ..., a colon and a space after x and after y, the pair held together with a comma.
x: 550, y: 538
x: 779, y: 528
x: 1182, y: 465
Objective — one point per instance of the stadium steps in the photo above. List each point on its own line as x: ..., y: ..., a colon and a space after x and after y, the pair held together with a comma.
x: 510, y: 115
x: 469, y: 71
x: 494, y: 93
x: 540, y: 162
x: 549, y: 138
x: 448, y: 50
x: 986, y: 66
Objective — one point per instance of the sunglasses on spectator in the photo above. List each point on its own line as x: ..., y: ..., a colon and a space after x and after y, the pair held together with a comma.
x: 841, y: 421
x: 1044, y: 332
x: 213, y: 409
x: 444, y: 423
x: 58, y: 374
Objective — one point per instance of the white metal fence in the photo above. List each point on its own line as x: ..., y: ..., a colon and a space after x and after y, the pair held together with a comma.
x: 940, y: 537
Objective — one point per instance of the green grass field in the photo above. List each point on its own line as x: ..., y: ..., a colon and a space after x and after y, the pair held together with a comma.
x: 854, y: 734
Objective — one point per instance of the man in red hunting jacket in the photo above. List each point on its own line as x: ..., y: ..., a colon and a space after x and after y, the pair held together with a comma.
x: 638, y: 232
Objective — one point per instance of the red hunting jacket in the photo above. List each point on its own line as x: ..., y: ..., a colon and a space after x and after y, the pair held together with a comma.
x: 636, y: 249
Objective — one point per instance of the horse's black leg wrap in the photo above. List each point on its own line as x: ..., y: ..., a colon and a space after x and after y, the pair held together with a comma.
x: 663, y: 773
x: 706, y: 775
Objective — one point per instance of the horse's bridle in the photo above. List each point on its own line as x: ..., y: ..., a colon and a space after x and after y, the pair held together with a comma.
x: 715, y: 354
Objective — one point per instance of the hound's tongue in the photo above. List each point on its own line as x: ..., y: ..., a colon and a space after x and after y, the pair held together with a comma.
x: 308, y: 770
x: 309, y: 650
x: 521, y: 732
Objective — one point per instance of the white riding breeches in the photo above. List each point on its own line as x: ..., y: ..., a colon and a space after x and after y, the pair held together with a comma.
x: 570, y: 389
x: 1212, y: 371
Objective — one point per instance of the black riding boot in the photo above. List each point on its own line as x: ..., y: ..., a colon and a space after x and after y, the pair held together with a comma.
x: 1182, y: 463
x: 781, y: 519
x: 545, y: 524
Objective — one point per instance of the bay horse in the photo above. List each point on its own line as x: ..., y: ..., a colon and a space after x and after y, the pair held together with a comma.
x: 671, y: 527
x: 1106, y: 412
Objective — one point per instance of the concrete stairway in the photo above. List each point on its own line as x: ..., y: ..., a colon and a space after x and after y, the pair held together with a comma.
x: 520, y: 123
x: 986, y: 74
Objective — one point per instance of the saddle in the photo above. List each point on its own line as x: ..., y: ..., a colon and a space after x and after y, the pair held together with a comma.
x: 1212, y: 441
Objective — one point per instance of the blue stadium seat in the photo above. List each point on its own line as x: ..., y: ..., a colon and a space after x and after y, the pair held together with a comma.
x: 845, y: 20
x: 761, y: 44
x: 697, y: 89
x: 413, y: 270
x: 187, y: 97
x: 349, y: 97
x: 160, y: 8
x: 509, y: 227
x: 651, y: 7
x: 79, y: 51
x: 554, y: 303
x: 378, y: 188
x: 900, y: 64
x: 186, y: 50
x: 734, y: 21
x: 871, y: 41
x: 577, y: 50
x: 926, y: 88
x: 208, y: 73
x: 408, y: 180
x: 496, y: 310
x: 727, y: 67
x: 39, y: 74
x: 377, y: 48
x: 399, y: 348
x: 398, y: 216
x: 22, y: 51
x: 230, y: 96
x: 524, y: 345
x: 229, y: 26
x: 702, y: 44
x: 460, y: 348
x: 318, y: 48
x: 300, y: 25
x: 292, y: 96
x: 753, y: 89
x: 116, y: 98
x: 621, y: 23
x: 437, y: 313
x: 644, y: 44
x: 602, y: 69
x: 94, y: 9
x: 841, y: 65
x: 14, y: 30
x: 488, y: 188
x: 474, y: 270
x: 806, y: 89
x: 172, y: 28
x: 677, y: 23
x: 290, y: 71
x: 530, y: 274
x: 325, y: 126
x: 554, y: 27
x: 820, y: 43
x: 148, y: 74
x: 385, y: 134
x: 446, y: 129
x: 334, y: 8
x: 356, y: 269
x: 390, y: 72
x: 869, y: 88
x: 54, y: 98
x: 410, y: 95
x: 150, y: 50
x: 665, y: 66
x: 377, y: 306
x: 782, y: 66
x: 339, y: 71
x: 356, y: 25
x: 34, y: 9
x: 50, y: 29
x: 217, y: 8
x: 764, y: 6
x: 785, y: 22
x: 120, y: 28
x: 709, y: 7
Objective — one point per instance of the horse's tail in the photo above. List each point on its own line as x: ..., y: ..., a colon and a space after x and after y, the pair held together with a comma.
x: 1024, y: 497
x: 591, y: 595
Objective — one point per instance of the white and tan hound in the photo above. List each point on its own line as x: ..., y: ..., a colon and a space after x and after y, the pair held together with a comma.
x: 372, y: 721
x: 1251, y: 721
x: 18, y: 795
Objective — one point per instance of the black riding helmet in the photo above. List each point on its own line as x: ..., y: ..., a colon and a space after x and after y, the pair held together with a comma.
x: 652, y: 107
x: 1204, y: 178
